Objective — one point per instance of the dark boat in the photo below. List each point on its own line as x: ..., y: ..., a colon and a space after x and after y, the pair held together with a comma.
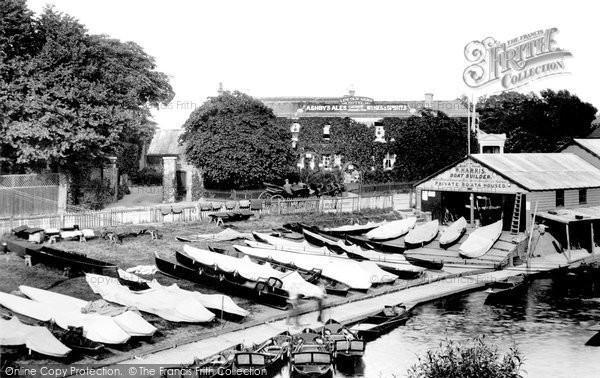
x: 311, y: 356
x: 19, y: 247
x: 216, y: 365
x: 349, y: 230
x: 267, y: 357
x: 388, y: 246
x: 77, y: 263
x: 594, y: 340
x: 346, y: 345
x: 266, y: 292
x: 73, y: 338
x: 332, y: 244
x: 429, y: 264
x: 382, y: 322
x: 506, y: 291
x: 321, y: 240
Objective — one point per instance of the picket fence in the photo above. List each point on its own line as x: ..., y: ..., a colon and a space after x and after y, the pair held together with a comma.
x: 166, y: 213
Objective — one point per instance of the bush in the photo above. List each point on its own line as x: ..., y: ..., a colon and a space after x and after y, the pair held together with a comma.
x: 96, y: 194
x: 146, y: 177
x: 468, y: 361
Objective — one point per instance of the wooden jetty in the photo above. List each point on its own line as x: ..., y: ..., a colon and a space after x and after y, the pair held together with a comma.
x: 499, y: 256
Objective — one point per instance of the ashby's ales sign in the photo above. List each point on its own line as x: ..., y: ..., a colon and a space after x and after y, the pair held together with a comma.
x: 470, y: 176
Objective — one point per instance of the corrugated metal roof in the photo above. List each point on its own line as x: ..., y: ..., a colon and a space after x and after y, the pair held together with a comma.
x: 166, y: 143
x: 543, y: 171
x: 592, y: 145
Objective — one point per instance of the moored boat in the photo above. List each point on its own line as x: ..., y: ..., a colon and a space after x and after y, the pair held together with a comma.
x: 422, y: 234
x: 506, y: 291
x: 35, y: 338
x: 266, y: 357
x: 311, y: 356
x: 481, y: 240
x: 382, y: 322
x: 346, y: 345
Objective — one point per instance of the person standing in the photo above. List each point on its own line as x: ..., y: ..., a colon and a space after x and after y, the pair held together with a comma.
x: 287, y: 187
x: 321, y: 300
x: 293, y: 305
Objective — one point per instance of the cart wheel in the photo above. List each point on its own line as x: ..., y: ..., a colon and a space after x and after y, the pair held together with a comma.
x: 264, y: 195
x: 277, y: 197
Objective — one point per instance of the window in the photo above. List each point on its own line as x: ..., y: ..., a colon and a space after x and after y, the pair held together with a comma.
x: 490, y: 149
x: 326, y: 135
x: 560, y: 198
x: 389, y: 161
x: 582, y: 196
x: 326, y: 161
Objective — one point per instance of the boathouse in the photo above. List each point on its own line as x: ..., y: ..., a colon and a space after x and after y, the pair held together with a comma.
x: 487, y: 187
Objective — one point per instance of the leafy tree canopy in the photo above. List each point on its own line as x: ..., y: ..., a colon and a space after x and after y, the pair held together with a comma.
x: 426, y: 143
x: 237, y: 142
x: 69, y: 99
x: 535, y: 123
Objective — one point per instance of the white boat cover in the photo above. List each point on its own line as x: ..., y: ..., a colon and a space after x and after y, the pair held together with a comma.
x: 341, y: 269
x: 129, y: 321
x: 249, y: 269
x: 212, y: 301
x: 481, y: 240
x: 395, y: 261
x: 453, y: 231
x: 36, y: 338
x: 131, y: 277
x: 99, y: 328
x: 169, y: 307
x: 291, y: 245
x: 423, y: 233
x: 225, y: 235
x: 392, y: 230
x: 354, y: 227
x: 87, y: 233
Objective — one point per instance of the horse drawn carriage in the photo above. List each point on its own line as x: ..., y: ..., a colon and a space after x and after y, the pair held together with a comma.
x: 276, y: 192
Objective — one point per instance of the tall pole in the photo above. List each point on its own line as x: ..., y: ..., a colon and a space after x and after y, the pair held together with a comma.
x: 471, y: 194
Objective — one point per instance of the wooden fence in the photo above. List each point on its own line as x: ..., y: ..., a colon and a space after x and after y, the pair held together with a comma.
x: 22, y: 195
x: 163, y: 213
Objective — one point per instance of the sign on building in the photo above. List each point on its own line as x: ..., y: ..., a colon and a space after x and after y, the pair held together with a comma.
x: 470, y: 176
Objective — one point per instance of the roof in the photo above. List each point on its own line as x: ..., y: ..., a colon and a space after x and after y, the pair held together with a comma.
x: 166, y: 143
x: 571, y: 215
x: 543, y: 171
x: 590, y: 145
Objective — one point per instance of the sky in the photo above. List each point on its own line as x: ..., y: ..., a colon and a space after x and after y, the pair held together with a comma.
x: 387, y: 50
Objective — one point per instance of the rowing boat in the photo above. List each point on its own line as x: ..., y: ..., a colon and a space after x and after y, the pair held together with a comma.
x: 76, y: 262
x: 422, y: 234
x: 382, y: 322
x: 453, y: 233
x: 481, y: 240
x: 392, y: 230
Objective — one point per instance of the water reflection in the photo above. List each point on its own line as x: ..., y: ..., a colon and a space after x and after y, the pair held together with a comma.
x: 549, y: 325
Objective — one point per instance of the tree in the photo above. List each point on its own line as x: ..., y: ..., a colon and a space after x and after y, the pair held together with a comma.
x: 468, y: 361
x: 536, y: 123
x: 72, y: 98
x: 426, y: 143
x: 237, y: 142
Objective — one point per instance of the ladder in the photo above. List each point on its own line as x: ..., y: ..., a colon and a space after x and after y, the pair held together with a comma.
x: 516, y: 218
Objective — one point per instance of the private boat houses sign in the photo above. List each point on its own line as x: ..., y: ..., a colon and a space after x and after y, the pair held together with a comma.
x: 470, y: 176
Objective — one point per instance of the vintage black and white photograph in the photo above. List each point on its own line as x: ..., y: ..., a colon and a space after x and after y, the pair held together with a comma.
x: 262, y: 188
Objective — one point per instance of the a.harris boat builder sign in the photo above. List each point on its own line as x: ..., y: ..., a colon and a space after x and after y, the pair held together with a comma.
x: 470, y: 176
x: 514, y: 63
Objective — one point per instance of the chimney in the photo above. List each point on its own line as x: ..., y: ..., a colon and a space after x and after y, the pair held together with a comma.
x: 351, y: 92
x: 428, y: 100
x: 220, y: 90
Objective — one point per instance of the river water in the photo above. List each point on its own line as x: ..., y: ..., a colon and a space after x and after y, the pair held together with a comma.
x: 549, y: 324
